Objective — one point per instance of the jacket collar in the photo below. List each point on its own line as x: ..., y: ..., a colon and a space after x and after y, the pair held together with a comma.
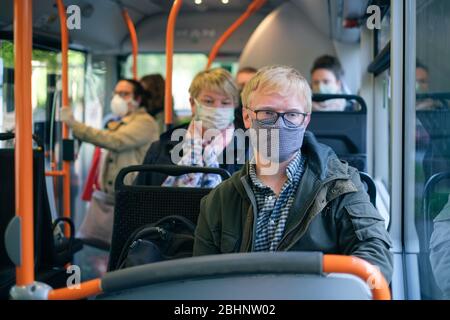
x: 114, y: 125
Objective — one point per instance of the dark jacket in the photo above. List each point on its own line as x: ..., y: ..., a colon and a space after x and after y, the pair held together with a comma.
x: 160, y: 153
x: 331, y: 213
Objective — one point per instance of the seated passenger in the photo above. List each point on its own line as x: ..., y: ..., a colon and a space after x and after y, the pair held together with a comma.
x: 301, y: 197
x: 213, y: 98
x: 242, y: 77
x: 154, y: 85
x: 440, y: 250
x: 125, y: 142
x: 326, y: 78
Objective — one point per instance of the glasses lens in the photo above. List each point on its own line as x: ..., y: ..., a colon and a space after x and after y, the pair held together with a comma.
x: 267, y: 117
x: 123, y: 94
x: 294, y: 119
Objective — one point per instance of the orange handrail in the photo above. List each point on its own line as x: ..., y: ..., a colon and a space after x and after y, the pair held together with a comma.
x: 65, y: 103
x: 331, y: 264
x: 360, y: 268
x: 86, y: 289
x: 23, y: 46
x: 168, y: 115
x: 253, y: 7
x: 134, y: 40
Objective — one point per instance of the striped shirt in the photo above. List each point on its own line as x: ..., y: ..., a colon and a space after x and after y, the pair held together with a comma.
x: 272, y: 212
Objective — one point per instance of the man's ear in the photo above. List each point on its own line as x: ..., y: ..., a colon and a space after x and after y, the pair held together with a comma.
x: 246, y: 117
x: 307, y: 120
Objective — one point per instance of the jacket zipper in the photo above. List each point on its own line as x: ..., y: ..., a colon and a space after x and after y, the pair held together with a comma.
x: 252, y: 199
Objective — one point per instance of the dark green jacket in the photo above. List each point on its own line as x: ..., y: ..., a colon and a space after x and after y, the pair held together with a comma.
x: 331, y: 213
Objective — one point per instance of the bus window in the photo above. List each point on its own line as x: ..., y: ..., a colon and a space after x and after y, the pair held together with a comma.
x: 382, y: 152
x: 432, y: 152
x: 383, y: 36
x: 185, y: 67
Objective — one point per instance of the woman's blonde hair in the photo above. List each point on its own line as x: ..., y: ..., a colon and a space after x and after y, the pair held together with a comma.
x: 216, y: 79
x: 282, y: 80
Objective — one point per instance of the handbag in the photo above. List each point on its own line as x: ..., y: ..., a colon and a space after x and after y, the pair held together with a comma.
x: 171, y: 237
x: 96, y: 228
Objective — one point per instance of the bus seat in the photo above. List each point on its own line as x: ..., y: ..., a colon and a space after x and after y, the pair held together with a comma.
x: 370, y: 187
x: 248, y: 276
x: 49, y: 259
x: 344, y: 132
x: 137, y: 205
x: 435, y: 196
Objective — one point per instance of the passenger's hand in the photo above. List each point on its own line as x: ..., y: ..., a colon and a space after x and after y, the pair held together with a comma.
x: 66, y: 116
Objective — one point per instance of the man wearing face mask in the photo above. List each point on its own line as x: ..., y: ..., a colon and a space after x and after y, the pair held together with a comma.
x: 124, y: 142
x: 295, y: 195
x: 213, y: 99
x: 243, y: 75
x: 326, y: 78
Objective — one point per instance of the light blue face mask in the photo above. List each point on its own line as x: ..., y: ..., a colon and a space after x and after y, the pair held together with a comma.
x: 326, y: 89
x: 213, y: 118
x: 280, y: 145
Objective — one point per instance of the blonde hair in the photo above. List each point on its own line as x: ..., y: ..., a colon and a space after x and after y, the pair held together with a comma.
x: 216, y: 79
x: 282, y: 80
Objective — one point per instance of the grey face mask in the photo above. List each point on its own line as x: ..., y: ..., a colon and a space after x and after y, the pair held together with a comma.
x: 276, y: 142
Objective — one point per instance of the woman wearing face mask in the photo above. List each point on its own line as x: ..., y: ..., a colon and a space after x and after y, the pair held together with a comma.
x: 207, y: 141
x: 124, y: 142
x: 326, y: 78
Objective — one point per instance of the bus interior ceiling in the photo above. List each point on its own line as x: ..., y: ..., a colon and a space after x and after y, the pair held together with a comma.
x: 282, y: 32
x: 308, y: 28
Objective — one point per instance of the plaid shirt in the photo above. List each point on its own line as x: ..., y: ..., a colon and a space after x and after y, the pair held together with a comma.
x: 272, y: 211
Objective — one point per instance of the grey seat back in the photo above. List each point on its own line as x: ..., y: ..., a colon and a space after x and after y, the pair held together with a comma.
x: 265, y: 276
x: 345, y: 132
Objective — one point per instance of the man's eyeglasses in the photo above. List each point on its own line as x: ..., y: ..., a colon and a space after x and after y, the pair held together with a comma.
x: 291, y: 119
x: 123, y: 94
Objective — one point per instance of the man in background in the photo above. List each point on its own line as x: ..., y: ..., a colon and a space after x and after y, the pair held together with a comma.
x: 242, y: 77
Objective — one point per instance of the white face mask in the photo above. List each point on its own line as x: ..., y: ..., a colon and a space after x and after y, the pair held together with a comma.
x: 326, y: 88
x: 119, y: 106
x: 217, y: 118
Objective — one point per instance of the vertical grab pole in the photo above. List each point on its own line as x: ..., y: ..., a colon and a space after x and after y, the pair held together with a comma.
x: 65, y: 103
x: 253, y: 7
x: 23, y: 46
x: 134, y: 40
x: 168, y: 116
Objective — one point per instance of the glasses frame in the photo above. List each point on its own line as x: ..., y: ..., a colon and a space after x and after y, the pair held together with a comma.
x: 281, y: 114
x: 123, y: 94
